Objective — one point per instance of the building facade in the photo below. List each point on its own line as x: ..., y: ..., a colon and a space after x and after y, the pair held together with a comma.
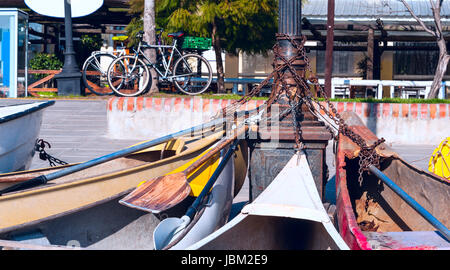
x: 381, y: 32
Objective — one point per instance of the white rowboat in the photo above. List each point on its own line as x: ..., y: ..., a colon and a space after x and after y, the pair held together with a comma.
x: 19, y: 129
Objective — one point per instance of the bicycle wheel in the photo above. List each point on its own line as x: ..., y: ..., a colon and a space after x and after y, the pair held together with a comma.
x: 128, y: 76
x: 95, y: 73
x: 192, y: 74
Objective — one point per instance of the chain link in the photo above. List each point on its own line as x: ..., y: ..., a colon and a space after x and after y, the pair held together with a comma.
x: 304, y: 95
x: 367, y: 155
x: 40, y: 147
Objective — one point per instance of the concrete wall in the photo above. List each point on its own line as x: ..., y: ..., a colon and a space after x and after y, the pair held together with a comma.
x: 148, y: 118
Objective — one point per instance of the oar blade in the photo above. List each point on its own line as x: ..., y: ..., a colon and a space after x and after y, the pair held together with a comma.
x: 159, y: 194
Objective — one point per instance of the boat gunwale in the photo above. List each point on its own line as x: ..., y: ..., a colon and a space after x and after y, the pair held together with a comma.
x: 39, y: 106
x: 78, y: 182
x: 63, y: 214
x: 26, y: 225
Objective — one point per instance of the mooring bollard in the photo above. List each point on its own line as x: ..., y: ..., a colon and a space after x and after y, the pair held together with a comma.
x: 271, y: 148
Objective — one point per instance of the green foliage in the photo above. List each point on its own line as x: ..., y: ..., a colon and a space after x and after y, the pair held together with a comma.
x: 86, y: 45
x: 91, y: 42
x: 163, y: 10
x: 44, y: 61
x: 243, y: 25
x: 132, y: 29
x: 47, y: 94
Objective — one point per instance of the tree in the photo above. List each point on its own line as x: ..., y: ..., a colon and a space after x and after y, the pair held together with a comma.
x: 233, y: 25
x: 149, y: 24
x: 436, y: 31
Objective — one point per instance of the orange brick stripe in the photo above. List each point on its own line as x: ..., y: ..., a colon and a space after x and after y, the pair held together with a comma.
x: 442, y: 110
x: 405, y: 110
x: 396, y: 110
x: 212, y: 106
x: 120, y: 103
x: 350, y: 106
x: 433, y: 111
x: 130, y: 104
x: 414, y: 110
x: 386, y: 110
x: 424, y: 111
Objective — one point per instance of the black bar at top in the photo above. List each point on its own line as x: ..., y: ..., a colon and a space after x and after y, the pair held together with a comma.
x: 289, y: 21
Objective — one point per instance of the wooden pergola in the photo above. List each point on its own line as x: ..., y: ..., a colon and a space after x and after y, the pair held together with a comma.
x: 373, y: 27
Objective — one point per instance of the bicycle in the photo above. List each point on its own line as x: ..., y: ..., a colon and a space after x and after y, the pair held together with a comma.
x: 95, y: 68
x: 129, y: 75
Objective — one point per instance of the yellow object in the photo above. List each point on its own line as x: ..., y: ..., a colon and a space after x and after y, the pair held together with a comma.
x: 198, y: 179
x: 176, y: 145
x: 120, y: 38
x: 440, y: 160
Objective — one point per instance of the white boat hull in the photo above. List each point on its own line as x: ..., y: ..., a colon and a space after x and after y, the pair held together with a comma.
x: 216, y: 211
x: 19, y: 128
x: 288, y: 215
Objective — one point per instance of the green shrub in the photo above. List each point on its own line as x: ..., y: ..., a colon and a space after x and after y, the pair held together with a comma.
x: 44, y: 61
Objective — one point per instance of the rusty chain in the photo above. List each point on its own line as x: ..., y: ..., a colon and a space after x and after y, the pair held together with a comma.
x: 43, y: 155
x: 303, y: 94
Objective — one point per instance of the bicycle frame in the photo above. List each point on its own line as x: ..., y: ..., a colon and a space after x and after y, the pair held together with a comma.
x: 166, y: 64
x: 115, y: 53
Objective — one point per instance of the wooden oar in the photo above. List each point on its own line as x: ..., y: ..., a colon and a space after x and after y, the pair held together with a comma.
x: 169, y: 229
x: 164, y: 192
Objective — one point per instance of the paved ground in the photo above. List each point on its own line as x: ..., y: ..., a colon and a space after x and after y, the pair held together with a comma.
x: 76, y: 130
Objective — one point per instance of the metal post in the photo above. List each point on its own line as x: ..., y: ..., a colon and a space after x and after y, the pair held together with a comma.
x: 266, y: 160
x: 69, y: 80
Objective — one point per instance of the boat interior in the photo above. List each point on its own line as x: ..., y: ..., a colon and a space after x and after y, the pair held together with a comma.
x: 381, y: 214
x: 254, y: 232
x: 108, y: 225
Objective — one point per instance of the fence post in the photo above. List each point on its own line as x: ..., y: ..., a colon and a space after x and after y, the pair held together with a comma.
x: 392, y: 91
x: 442, y: 91
x: 380, y: 91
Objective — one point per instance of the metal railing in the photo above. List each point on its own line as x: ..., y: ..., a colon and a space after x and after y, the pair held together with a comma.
x: 341, y: 87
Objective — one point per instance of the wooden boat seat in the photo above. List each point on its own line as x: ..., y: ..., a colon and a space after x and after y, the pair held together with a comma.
x: 421, y: 240
x: 174, y: 145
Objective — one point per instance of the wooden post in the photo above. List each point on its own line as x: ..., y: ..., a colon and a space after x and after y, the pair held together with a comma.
x: 329, y: 48
x: 45, y: 38
x: 370, y: 53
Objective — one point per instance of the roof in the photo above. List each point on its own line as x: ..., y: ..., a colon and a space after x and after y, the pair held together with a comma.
x: 367, y: 10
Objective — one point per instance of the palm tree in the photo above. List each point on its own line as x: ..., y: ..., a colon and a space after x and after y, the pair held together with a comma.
x: 150, y: 37
x: 233, y: 26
